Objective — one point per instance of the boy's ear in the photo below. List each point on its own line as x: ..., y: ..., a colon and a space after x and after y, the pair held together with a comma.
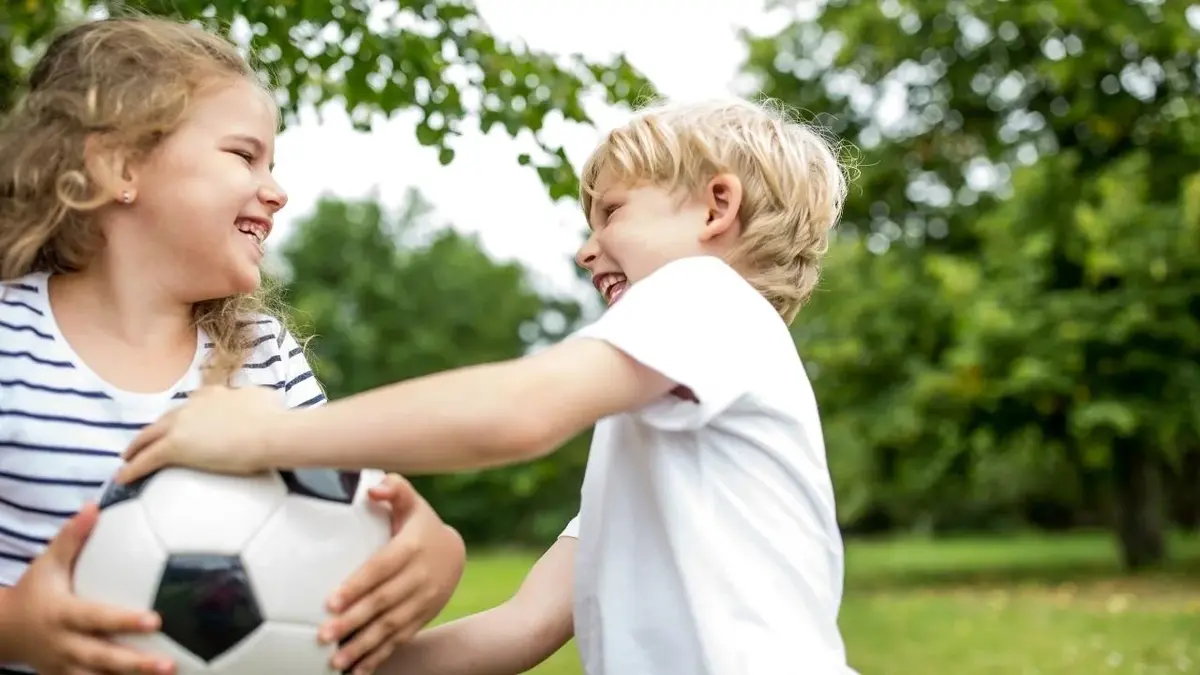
x: 110, y: 168
x: 723, y: 195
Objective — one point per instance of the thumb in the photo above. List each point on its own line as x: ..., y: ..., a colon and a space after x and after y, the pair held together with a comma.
x: 398, y: 494
x: 65, y: 547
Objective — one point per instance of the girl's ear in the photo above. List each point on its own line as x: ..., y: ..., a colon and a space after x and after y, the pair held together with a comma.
x: 111, y: 169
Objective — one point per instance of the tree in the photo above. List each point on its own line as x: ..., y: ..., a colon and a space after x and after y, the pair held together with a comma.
x: 430, y: 55
x: 388, y: 297
x: 1072, y: 291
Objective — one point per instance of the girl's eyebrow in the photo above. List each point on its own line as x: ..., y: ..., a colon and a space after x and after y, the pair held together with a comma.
x: 254, y: 142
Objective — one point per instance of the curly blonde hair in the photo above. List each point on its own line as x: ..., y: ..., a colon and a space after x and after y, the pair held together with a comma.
x: 127, y: 83
x: 794, y: 183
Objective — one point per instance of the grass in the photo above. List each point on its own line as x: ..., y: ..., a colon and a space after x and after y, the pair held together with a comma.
x: 1053, y: 605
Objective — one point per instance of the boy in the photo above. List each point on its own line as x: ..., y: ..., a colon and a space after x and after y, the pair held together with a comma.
x: 707, y: 537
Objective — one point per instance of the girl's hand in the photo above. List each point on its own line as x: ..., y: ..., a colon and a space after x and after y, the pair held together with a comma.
x: 58, y: 633
x: 219, y: 429
x: 401, y: 588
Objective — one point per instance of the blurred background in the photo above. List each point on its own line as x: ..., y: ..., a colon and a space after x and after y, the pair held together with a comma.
x: 1005, y: 346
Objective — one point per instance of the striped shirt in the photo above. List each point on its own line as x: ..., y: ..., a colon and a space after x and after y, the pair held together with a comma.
x: 63, y: 429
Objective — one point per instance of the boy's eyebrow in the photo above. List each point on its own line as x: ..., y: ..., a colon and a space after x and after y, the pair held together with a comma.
x: 599, y: 205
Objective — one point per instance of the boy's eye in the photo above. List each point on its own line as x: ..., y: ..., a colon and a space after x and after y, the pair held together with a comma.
x: 248, y: 156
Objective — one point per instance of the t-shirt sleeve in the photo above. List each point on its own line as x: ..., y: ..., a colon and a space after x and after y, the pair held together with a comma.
x: 572, y: 529
x: 300, y: 386
x: 700, y: 324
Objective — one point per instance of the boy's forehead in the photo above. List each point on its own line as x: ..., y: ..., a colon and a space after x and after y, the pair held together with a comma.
x: 605, y: 180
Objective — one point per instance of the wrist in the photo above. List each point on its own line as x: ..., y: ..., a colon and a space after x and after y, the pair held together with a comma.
x: 11, y: 643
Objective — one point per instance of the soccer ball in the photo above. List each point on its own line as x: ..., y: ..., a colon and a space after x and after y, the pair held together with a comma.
x: 239, y: 568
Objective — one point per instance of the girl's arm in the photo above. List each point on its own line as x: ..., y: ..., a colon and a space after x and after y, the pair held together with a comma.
x: 505, y: 640
x: 8, y: 650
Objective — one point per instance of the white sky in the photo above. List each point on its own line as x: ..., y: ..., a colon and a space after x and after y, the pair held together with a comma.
x: 688, y: 48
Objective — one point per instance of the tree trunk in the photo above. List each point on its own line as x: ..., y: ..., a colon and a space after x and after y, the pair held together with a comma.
x: 1188, y: 490
x: 1137, y: 483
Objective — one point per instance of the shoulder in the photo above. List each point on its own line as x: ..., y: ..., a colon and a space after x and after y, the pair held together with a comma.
x: 23, y: 294
x: 25, y: 316
x: 704, y: 286
x: 697, y: 275
x: 271, y: 337
x: 278, y: 360
x: 698, y: 301
x: 272, y: 347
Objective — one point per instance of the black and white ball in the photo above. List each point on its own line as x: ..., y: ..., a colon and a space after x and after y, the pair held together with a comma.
x: 239, y: 568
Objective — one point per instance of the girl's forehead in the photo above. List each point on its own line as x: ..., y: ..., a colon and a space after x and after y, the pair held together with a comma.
x: 241, y: 105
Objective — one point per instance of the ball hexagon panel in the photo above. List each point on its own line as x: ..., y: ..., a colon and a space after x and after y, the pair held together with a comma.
x: 307, y: 549
x: 122, y: 560
x: 206, y: 513
x: 206, y: 603
x: 278, y: 648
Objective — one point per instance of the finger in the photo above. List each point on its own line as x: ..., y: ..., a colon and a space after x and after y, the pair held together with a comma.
x: 371, y: 662
x: 390, y: 483
x: 396, y: 491
x: 144, y: 463
x: 393, y: 627
x: 385, y: 565
x: 65, y: 546
x: 95, y: 618
x: 358, y: 627
x: 149, y: 435
x: 101, y: 656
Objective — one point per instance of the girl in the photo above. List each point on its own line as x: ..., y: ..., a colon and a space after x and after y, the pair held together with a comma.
x: 135, y: 196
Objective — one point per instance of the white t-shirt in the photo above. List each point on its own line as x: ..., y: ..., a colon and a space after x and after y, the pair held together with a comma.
x: 708, y: 542
x: 63, y: 429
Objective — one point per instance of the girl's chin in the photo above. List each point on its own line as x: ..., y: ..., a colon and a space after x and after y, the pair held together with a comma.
x: 250, y: 281
x: 245, y: 281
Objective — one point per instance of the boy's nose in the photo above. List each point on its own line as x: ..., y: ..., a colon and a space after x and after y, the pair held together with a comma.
x: 587, y: 253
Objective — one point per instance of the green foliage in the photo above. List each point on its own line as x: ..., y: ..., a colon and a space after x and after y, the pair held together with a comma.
x: 970, y: 607
x: 388, y: 297
x: 1008, y: 331
x: 434, y: 56
x: 1014, y: 292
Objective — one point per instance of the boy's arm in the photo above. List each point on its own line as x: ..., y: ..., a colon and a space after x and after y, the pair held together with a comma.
x: 509, y: 639
x: 474, y: 417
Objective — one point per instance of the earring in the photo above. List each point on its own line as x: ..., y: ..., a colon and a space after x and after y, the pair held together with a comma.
x: 126, y: 197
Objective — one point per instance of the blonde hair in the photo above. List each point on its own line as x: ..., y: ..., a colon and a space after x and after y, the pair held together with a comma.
x: 127, y: 83
x: 793, y: 182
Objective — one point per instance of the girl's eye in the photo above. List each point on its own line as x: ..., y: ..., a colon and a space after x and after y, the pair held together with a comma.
x: 249, y: 157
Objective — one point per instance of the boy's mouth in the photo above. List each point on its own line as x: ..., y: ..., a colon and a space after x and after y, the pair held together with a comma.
x: 611, y: 285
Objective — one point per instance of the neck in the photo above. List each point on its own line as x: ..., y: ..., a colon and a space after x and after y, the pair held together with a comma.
x: 118, y: 301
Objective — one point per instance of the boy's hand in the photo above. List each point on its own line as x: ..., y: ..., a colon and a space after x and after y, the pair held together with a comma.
x: 219, y: 429
x: 59, y: 634
x: 401, y: 588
